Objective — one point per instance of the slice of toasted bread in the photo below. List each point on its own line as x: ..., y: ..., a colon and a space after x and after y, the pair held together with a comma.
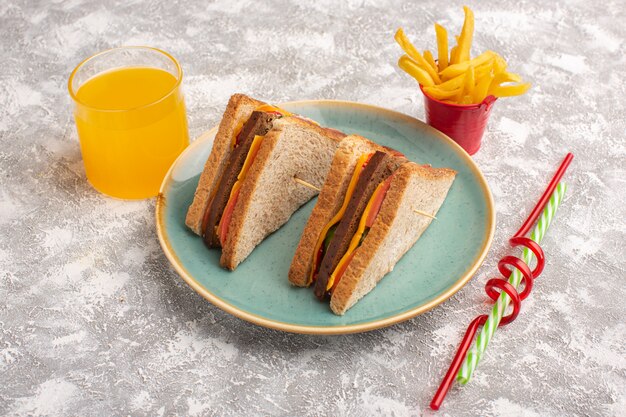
x: 269, y: 195
x: 328, y: 203
x: 395, y: 230
x: 238, y: 110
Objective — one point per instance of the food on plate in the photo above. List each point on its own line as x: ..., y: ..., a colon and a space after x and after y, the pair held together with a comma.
x: 456, y: 77
x: 247, y: 189
x: 365, y: 220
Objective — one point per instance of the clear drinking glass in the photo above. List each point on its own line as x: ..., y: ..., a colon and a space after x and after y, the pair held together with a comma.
x: 131, y: 120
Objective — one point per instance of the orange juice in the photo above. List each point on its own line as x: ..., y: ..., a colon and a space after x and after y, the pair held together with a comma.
x: 132, y: 125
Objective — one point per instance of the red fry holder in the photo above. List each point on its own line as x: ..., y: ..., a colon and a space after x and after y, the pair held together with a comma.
x: 464, y: 123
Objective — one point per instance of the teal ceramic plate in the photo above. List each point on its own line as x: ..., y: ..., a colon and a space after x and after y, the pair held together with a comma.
x: 440, y: 263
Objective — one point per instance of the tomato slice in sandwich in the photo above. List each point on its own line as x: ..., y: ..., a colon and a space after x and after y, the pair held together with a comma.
x: 227, y: 216
x: 367, y: 220
x: 377, y: 202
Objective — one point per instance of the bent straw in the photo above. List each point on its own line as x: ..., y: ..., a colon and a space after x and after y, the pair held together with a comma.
x: 460, y: 355
x: 497, y: 312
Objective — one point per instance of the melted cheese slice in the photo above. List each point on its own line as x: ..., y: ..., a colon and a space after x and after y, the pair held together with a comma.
x: 356, y: 239
x: 320, y: 240
x: 254, y: 149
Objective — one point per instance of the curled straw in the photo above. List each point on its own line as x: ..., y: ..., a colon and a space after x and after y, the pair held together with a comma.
x: 520, y: 272
x: 496, y: 316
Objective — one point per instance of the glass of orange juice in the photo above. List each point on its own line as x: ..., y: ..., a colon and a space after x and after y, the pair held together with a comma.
x: 131, y: 120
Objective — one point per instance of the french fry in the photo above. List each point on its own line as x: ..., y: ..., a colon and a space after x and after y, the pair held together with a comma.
x: 468, y: 85
x: 499, y: 64
x: 406, y: 45
x: 508, y: 90
x: 442, y: 46
x: 458, y: 97
x: 454, y: 77
x: 410, y: 67
x: 467, y: 33
x: 428, y: 56
x: 439, y: 94
x: 458, y: 50
x: 457, y: 57
x: 457, y: 69
x: 505, y: 77
x: 414, y: 54
x: 453, y: 56
x: 480, y: 92
x: 483, y: 69
x: 453, y: 83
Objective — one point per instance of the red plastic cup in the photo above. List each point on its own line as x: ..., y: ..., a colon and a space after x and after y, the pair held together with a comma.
x: 464, y: 123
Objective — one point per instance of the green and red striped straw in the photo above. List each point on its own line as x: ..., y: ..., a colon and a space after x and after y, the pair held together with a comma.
x: 518, y: 271
x: 497, y: 312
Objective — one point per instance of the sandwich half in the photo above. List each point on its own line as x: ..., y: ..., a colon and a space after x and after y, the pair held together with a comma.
x: 247, y: 189
x: 365, y: 220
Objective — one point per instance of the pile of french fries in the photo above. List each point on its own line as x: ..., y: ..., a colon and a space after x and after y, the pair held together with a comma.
x: 456, y: 77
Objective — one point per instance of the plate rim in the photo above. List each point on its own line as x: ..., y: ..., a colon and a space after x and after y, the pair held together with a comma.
x: 342, y: 329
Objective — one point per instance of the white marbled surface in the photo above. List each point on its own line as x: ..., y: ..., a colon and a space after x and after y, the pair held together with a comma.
x: 94, y: 322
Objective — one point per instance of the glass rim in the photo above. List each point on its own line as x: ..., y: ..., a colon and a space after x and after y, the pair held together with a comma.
x: 179, y: 78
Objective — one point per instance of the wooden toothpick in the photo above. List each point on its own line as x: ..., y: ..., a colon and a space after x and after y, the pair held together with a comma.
x: 423, y: 213
x: 306, y: 184
x: 311, y: 186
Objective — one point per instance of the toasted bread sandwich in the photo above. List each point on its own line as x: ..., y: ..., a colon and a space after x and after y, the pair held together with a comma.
x: 247, y: 189
x: 365, y: 220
